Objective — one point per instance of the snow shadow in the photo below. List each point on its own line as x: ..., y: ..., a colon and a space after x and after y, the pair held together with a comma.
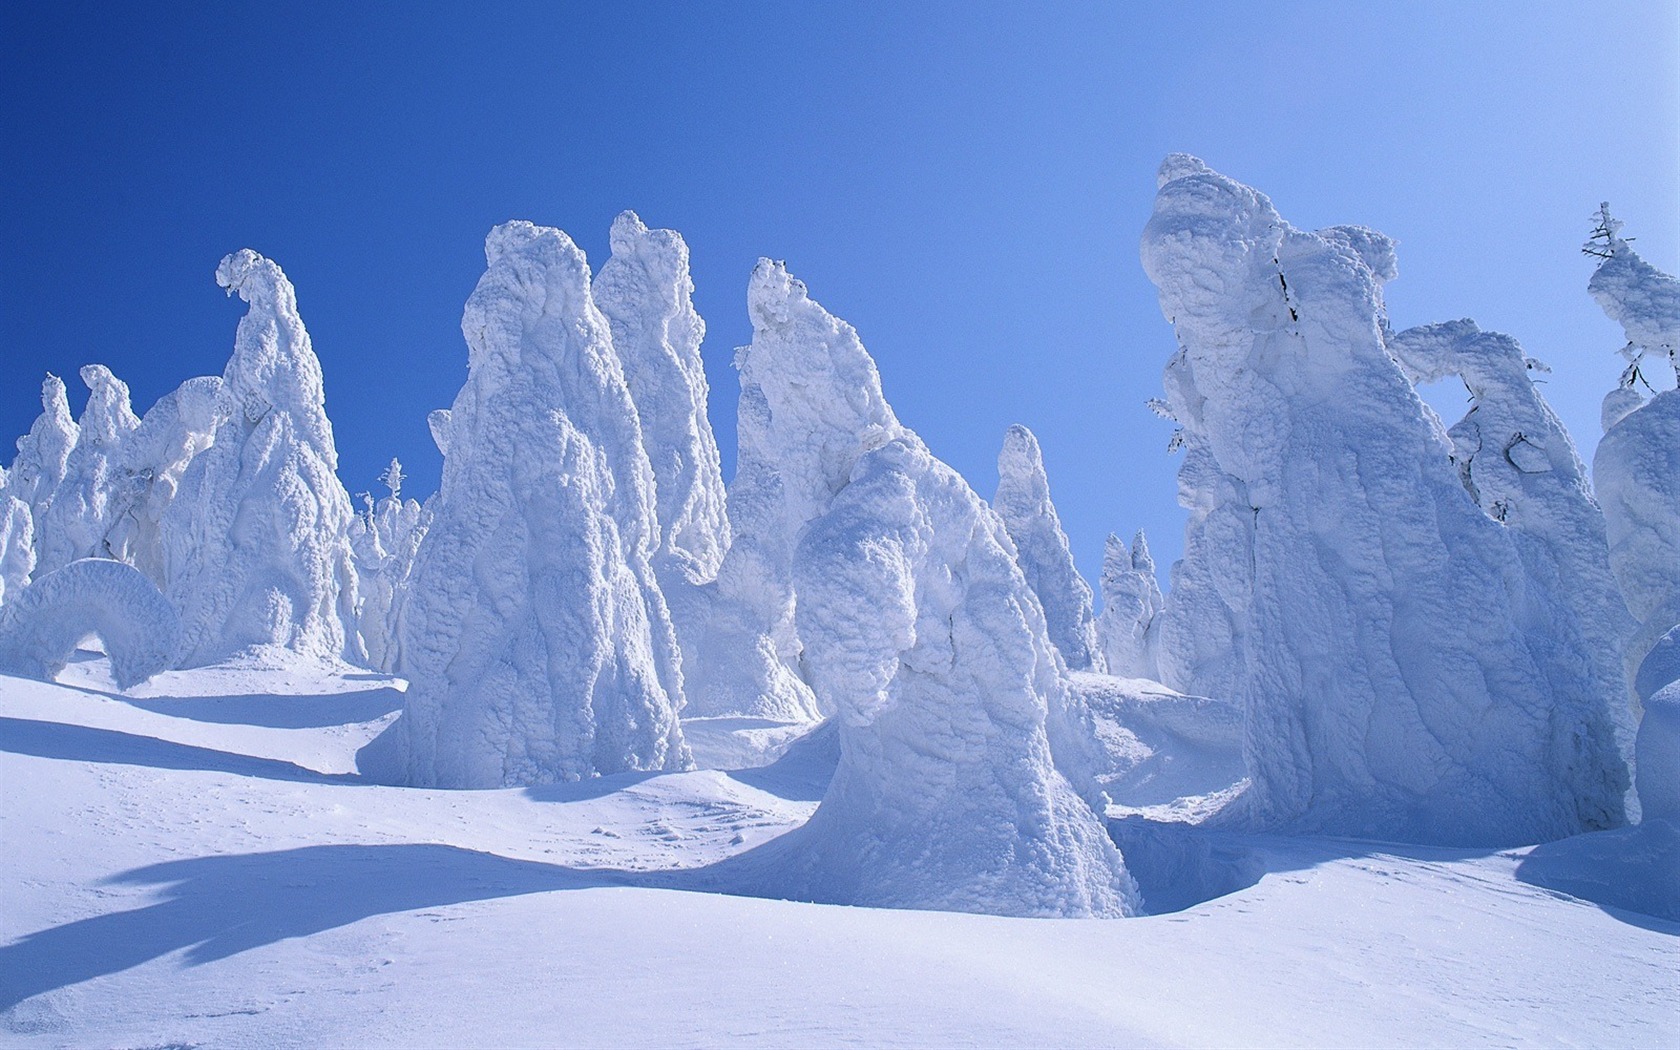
x: 1631, y: 874
x: 215, y: 907
x: 1179, y: 866
x: 584, y: 790
x: 272, y: 711
x: 73, y: 743
x: 803, y: 771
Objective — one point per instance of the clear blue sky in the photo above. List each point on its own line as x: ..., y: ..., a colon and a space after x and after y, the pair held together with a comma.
x: 963, y: 182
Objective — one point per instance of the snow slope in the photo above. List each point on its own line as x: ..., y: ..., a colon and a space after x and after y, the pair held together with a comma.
x: 187, y: 864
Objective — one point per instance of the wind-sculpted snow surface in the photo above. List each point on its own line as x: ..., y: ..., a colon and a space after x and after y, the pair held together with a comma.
x: 17, y: 544
x: 85, y: 505
x: 921, y: 632
x: 44, y: 453
x: 182, y: 424
x: 1400, y: 678
x: 1636, y: 469
x: 1023, y: 502
x: 1132, y: 602
x: 256, y: 539
x: 534, y: 634
x: 41, y: 626
x: 811, y: 401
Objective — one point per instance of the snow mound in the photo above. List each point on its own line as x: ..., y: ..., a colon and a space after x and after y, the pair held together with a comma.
x: 1399, y: 664
x: 921, y: 632
x: 533, y: 631
x: 1132, y: 602
x: 256, y: 542
x: 1023, y: 502
x: 41, y: 626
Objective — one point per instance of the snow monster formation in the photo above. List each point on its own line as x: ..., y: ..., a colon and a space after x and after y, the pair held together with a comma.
x: 43, y: 453
x: 1023, y: 502
x: 533, y: 632
x: 963, y: 782
x: 41, y: 626
x: 385, y: 541
x: 1200, y: 648
x: 256, y: 547
x: 182, y: 424
x: 1400, y: 676
x: 17, y: 544
x: 85, y: 506
x: 645, y: 293
x: 1132, y: 601
x: 1636, y: 469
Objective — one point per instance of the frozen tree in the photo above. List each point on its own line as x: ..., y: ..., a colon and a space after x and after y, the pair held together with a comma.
x: 1637, y: 466
x: 41, y: 627
x: 17, y: 543
x: 154, y: 458
x: 645, y: 293
x: 533, y: 632
x: 256, y: 546
x: 1400, y: 679
x: 84, y: 508
x: 1132, y: 600
x: 43, y: 453
x: 1023, y: 502
x: 1199, y: 647
x: 384, y: 541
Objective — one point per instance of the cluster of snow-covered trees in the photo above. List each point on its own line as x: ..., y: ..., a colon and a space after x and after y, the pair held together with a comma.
x: 1435, y: 633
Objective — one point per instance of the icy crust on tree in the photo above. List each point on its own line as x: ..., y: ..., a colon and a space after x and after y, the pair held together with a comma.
x: 84, y: 507
x: 41, y: 627
x: 810, y: 400
x: 256, y: 547
x: 1023, y: 502
x: 534, y: 635
x: 154, y: 458
x: 1199, y: 644
x: 385, y: 540
x: 922, y: 634
x: 44, y: 453
x: 17, y: 544
x: 1132, y: 603
x: 1658, y: 763
x: 1401, y: 678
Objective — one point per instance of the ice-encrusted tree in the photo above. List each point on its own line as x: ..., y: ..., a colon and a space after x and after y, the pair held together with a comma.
x: 154, y: 458
x: 17, y: 543
x: 84, y: 507
x: 1658, y: 683
x: 1636, y: 469
x: 1023, y: 502
x: 42, y: 624
x: 810, y: 397
x: 1399, y: 676
x: 43, y: 453
x: 646, y: 294
x: 385, y: 539
x: 256, y: 544
x: 1199, y: 643
x: 533, y: 632
x: 1132, y: 600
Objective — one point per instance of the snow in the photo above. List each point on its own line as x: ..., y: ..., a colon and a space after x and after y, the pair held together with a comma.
x: 1401, y: 662
x: 256, y: 548
x: 154, y: 457
x: 1131, y: 602
x: 43, y: 453
x: 198, y: 871
x: 533, y: 629
x: 385, y: 541
x: 1023, y: 502
x: 17, y: 545
x: 75, y: 523
x: 41, y: 626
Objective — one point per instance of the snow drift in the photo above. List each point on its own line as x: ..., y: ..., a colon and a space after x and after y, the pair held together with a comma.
x: 41, y: 627
x: 534, y: 635
x: 256, y: 544
x: 1398, y: 654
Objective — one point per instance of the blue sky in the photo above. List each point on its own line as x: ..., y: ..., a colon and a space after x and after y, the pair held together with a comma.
x: 965, y: 183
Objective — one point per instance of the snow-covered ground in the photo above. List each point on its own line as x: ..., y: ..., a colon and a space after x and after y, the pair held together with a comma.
x: 193, y: 862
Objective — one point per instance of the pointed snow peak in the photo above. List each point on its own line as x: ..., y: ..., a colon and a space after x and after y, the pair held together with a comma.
x: 773, y: 294
x: 1021, y: 464
x: 662, y: 253
x: 55, y: 401
x: 1141, y: 559
x: 1179, y: 166
x: 108, y: 415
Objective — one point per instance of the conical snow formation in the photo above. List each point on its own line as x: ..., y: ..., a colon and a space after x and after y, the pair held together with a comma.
x: 41, y: 627
x: 1636, y: 469
x: 182, y: 424
x: 385, y: 541
x: 17, y: 544
x: 533, y: 632
x: 810, y: 399
x: 44, y: 453
x: 85, y: 506
x: 256, y: 547
x: 1132, y: 600
x: 1400, y: 681
x: 1023, y: 502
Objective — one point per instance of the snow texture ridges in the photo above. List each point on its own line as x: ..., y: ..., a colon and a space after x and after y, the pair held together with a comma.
x: 41, y: 626
x: 82, y: 510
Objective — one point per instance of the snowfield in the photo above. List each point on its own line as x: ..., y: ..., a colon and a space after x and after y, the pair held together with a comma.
x: 194, y: 862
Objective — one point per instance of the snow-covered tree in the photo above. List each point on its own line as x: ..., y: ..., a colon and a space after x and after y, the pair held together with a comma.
x: 384, y: 541
x: 533, y: 632
x: 1399, y: 673
x: 155, y: 456
x: 84, y: 508
x: 17, y: 543
x: 1199, y: 643
x: 43, y: 453
x: 1132, y: 600
x: 41, y: 626
x: 1023, y: 502
x: 256, y: 545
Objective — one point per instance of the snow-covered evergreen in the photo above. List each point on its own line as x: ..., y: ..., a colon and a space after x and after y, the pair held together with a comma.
x: 1023, y: 502
x: 1132, y: 601
x: 385, y: 540
x: 1400, y: 677
x: 17, y: 543
x: 41, y: 626
x: 43, y: 453
x: 256, y: 546
x: 534, y: 635
x: 155, y: 456
x: 1200, y: 647
x: 84, y: 507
